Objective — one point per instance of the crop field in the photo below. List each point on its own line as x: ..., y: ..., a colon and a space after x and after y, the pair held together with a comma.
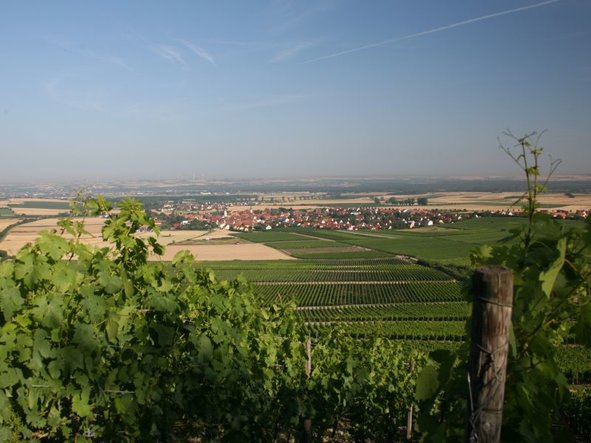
x: 34, y: 207
x: 305, y: 244
x: 418, y: 306
x: 445, y: 244
x: 395, y: 273
x: 42, y: 204
x: 390, y: 296
x: 205, y: 245
x: 360, y: 292
x: 397, y: 311
x: 477, y: 201
x: 273, y: 236
x: 6, y: 212
x: 402, y: 329
x: 6, y: 222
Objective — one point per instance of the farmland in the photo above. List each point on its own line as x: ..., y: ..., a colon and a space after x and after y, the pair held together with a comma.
x: 391, y: 296
x: 445, y: 244
x: 397, y: 288
x: 392, y: 292
x: 363, y: 282
x: 416, y: 305
x: 6, y: 212
x: 205, y: 245
x: 33, y: 207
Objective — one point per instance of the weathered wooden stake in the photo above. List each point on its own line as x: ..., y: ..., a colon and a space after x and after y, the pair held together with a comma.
x: 491, y: 321
x: 409, y: 424
x: 308, y: 357
x: 308, y: 420
x: 410, y: 411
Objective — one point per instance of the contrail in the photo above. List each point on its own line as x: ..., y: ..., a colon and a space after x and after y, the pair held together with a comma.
x: 432, y: 31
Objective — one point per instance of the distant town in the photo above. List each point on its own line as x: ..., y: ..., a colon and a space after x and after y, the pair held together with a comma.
x: 193, y: 215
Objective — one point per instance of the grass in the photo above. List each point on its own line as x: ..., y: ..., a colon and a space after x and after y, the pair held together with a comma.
x: 41, y: 204
x: 446, y: 244
x: 214, y: 241
x: 308, y: 243
x: 337, y: 253
x: 272, y: 236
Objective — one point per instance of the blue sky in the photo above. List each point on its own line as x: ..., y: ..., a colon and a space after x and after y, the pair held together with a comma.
x: 289, y: 88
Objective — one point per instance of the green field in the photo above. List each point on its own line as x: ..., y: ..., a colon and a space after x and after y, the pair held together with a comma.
x: 6, y: 212
x: 42, y: 204
x: 391, y: 296
x: 445, y: 244
x: 365, y: 283
x: 272, y: 236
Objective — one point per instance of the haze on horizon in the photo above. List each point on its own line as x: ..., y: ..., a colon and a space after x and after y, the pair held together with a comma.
x: 112, y: 90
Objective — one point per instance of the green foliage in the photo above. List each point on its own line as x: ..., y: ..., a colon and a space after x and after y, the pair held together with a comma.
x: 552, y: 300
x: 101, y: 343
x: 371, y: 383
x: 576, y: 414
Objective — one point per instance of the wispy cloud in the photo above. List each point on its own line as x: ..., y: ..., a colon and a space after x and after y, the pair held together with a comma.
x: 267, y: 101
x: 170, y: 53
x: 432, y: 31
x: 112, y: 59
x: 198, y: 51
x: 63, y: 91
x: 290, y: 52
x: 86, y: 101
x: 291, y: 15
x: 172, y: 110
x: 77, y: 49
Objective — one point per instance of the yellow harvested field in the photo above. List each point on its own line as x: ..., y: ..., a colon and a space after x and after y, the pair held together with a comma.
x: 169, y: 237
x: 34, y: 211
x: 21, y: 200
x: 29, y: 232
x: 503, y: 200
x: 26, y: 233
x: 443, y: 200
x: 6, y: 222
x: 248, y: 251
x: 38, y: 211
x: 302, y: 204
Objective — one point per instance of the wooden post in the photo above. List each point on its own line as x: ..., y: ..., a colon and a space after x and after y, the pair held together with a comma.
x: 491, y: 320
x: 410, y: 411
x: 308, y: 358
x: 308, y: 420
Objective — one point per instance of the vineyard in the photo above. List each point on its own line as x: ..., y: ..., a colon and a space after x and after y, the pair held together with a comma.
x: 414, y: 305
x: 123, y: 349
x: 393, y: 296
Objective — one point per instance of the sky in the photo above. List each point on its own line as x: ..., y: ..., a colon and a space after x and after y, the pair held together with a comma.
x: 112, y: 90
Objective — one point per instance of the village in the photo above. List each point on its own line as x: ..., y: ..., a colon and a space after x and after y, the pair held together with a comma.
x: 191, y: 215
